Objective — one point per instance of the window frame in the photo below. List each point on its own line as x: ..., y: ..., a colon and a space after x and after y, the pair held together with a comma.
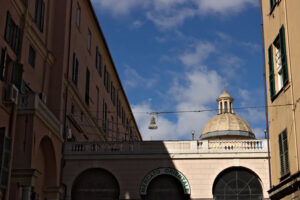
x: 78, y: 15
x: 274, y: 92
x: 89, y: 44
x: 39, y: 14
x: 75, y: 69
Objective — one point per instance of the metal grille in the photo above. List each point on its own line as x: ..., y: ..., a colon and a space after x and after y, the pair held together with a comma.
x: 237, y: 184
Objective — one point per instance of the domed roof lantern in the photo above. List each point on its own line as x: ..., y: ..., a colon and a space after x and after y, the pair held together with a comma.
x: 225, y: 103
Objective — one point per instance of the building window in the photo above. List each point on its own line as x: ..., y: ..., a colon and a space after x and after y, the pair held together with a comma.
x: 5, y: 149
x: 113, y: 94
x: 89, y: 40
x: 75, y: 69
x: 98, y: 61
x: 17, y: 74
x: 272, y: 4
x: 39, y: 14
x: 104, y: 116
x: 3, y: 63
x: 87, y: 86
x: 31, y: 57
x: 78, y: 11
x: 278, y: 73
x: 12, y: 34
x: 284, y: 153
x: 106, y: 80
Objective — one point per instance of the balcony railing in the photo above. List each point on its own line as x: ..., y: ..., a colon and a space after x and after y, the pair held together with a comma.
x: 162, y: 147
x: 33, y: 103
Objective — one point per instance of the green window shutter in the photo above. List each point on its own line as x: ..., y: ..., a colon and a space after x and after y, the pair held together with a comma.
x: 36, y: 14
x: 87, y: 86
x: 272, y: 4
x: 283, y: 151
x: 17, y: 74
x: 8, y: 28
x: 271, y: 72
x: 42, y: 16
x: 283, y: 55
x: 5, y: 159
x: 17, y: 40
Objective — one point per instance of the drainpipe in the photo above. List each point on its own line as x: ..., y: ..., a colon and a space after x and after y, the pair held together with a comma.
x: 265, y: 89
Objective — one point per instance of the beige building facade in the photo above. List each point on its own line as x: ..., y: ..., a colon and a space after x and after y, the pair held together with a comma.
x: 282, y: 46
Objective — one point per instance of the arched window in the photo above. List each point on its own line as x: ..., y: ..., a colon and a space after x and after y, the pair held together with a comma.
x: 165, y: 187
x: 94, y: 184
x: 226, y: 107
x: 221, y: 107
x: 238, y: 184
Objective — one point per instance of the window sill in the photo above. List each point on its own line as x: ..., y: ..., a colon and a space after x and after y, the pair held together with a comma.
x: 284, y: 176
x: 283, y: 89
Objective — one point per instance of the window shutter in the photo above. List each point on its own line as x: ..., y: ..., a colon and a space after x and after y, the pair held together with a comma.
x: 271, y: 72
x: 8, y: 28
x: 283, y: 151
x: 18, y: 40
x: 283, y: 55
x: 87, y: 86
x: 42, y: 16
x: 17, y: 74
x: 36, y: 11
x: 5, y: 159
x: 272, y: 4
x: 3, y: 64
x: 75, y: 69
x: 97, y: 59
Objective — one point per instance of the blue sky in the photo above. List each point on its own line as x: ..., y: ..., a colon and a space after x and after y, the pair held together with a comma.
x: 175, y: 55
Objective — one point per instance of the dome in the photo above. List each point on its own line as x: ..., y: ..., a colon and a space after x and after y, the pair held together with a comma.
x: 226, y: 124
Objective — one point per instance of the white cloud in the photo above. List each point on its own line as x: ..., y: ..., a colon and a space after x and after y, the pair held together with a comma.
x: 223, y: 6
x: 194, y: 92
x: 137, y: 24
x: 198, y: 54
x: 133, y: 79
x: 168, y: 14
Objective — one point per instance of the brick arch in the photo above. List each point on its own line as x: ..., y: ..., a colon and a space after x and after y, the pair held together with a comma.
x: 96, y: 183
x: 46, y: 165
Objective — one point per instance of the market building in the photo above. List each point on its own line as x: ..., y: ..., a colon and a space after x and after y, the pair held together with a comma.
x: 227, y: 162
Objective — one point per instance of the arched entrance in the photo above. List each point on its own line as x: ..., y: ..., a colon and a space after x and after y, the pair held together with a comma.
x: 165, y: 183
x: 95, y: 184
x: 237, y: 184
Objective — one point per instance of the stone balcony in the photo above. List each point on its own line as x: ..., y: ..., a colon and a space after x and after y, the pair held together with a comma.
x: 168, y: 147
x: 32, y: 104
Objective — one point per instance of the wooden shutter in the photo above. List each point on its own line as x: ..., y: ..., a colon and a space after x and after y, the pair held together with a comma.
x: 283, y: 55
x: 42, y: 16
x: 8, y: 28
x: 283, y: 151
x: 5, y: 143
x: 3, y: 63
x: 271, y: 72
x: 272, y: 4
x: 17, y: 74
